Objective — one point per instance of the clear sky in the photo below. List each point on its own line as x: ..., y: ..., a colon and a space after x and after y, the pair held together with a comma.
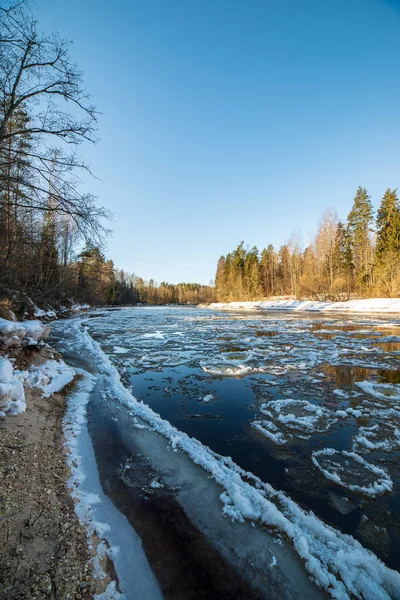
x: 226, y: 120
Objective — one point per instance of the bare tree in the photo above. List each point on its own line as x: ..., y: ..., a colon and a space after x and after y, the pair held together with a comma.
x: 43, y: 101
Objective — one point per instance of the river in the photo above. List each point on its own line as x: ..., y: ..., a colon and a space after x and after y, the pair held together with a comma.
x: 284, y: 413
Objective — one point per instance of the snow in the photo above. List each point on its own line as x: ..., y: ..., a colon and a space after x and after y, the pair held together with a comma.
x: 273, y: 562
x: 12, y: 395
x: 335, y: 561
x: 79, y: 307
x: 110, y: 593
x: 344, y: 467
x: 39, y: 312
x: 14, y: 333
x: 371, y: 305
x: 50, y: 377
x: 156, y: 484
x: 96, y: 511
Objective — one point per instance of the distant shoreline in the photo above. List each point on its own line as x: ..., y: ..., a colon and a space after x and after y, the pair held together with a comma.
x: 364, y: 306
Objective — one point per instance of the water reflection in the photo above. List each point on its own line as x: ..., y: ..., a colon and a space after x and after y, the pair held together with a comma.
x: 346, y: 375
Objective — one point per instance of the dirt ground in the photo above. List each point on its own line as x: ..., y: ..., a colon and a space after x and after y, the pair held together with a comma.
x: 43, y: 548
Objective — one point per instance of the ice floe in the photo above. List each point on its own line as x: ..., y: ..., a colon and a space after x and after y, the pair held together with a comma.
x: 382, y: 436
x: 271, y: 431
x: 226, y: 369
x: 120, y: 350
x: 298, y: 415
x: 385, y: 391
x: 208, y: 398
x: 351, y: 471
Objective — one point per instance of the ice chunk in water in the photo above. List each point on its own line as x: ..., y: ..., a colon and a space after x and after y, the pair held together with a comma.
x: 119, y: 350
x: 208, y: 398
x: 377, y: 437
x: 298, y: 415
x: 270, y: 431
x: 385, y: 391
x: 351, y: 471
x: 226, y: 369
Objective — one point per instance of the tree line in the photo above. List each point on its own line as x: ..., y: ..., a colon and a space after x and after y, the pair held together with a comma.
x: 98, y: 282
x: 45, y: 218
x: 356, y: 258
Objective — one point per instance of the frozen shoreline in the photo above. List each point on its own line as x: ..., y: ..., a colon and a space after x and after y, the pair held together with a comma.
x: 370, y: 305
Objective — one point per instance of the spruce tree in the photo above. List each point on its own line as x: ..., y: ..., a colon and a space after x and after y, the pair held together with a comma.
x: 360, y: 221
x: 388, y: 224
x: 220, y: 279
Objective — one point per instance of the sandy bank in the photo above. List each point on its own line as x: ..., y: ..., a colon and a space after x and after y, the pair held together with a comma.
x: 43, y: 547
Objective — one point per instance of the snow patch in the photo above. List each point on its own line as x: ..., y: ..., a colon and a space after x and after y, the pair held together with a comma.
x: 110, y: 593
x: 27, y: 333
x: 50, y: 377
x: 371, y: 305
x: 12, y: 395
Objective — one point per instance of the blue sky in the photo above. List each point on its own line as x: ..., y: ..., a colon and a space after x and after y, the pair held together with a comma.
x: 226, y: 120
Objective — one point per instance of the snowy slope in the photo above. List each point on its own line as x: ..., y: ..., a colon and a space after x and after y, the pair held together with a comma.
x: 371, y: 305
x: 14, y: 333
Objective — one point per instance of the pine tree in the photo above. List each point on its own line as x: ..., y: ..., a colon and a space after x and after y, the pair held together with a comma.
x: 252, y: 288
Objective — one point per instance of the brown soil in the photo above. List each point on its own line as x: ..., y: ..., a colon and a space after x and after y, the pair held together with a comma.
x: 43, y: 547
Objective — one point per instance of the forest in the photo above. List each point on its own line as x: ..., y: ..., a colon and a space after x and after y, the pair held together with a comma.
x: 358, y: 258
x: 52, y: 235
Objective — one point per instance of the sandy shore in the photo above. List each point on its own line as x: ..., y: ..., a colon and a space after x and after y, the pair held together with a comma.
x: 43, y: 548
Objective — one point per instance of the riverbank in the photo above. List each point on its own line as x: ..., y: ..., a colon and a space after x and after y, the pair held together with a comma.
x: 369, y: 305
x: 44, y: 549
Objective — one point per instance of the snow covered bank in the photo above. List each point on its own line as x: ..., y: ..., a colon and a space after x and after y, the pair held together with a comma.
x: 49, y: 377
x: 371, y: 305
x: 62, y: 311
x: 24, y: 333
x: 12, y: 395
x: 335, y: 561
x: 96, y: 511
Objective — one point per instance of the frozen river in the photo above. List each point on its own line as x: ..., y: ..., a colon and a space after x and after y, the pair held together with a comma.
x: 307, y: 409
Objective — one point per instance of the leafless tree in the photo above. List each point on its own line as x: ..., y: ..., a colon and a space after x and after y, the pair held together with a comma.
x: 43, y: 101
